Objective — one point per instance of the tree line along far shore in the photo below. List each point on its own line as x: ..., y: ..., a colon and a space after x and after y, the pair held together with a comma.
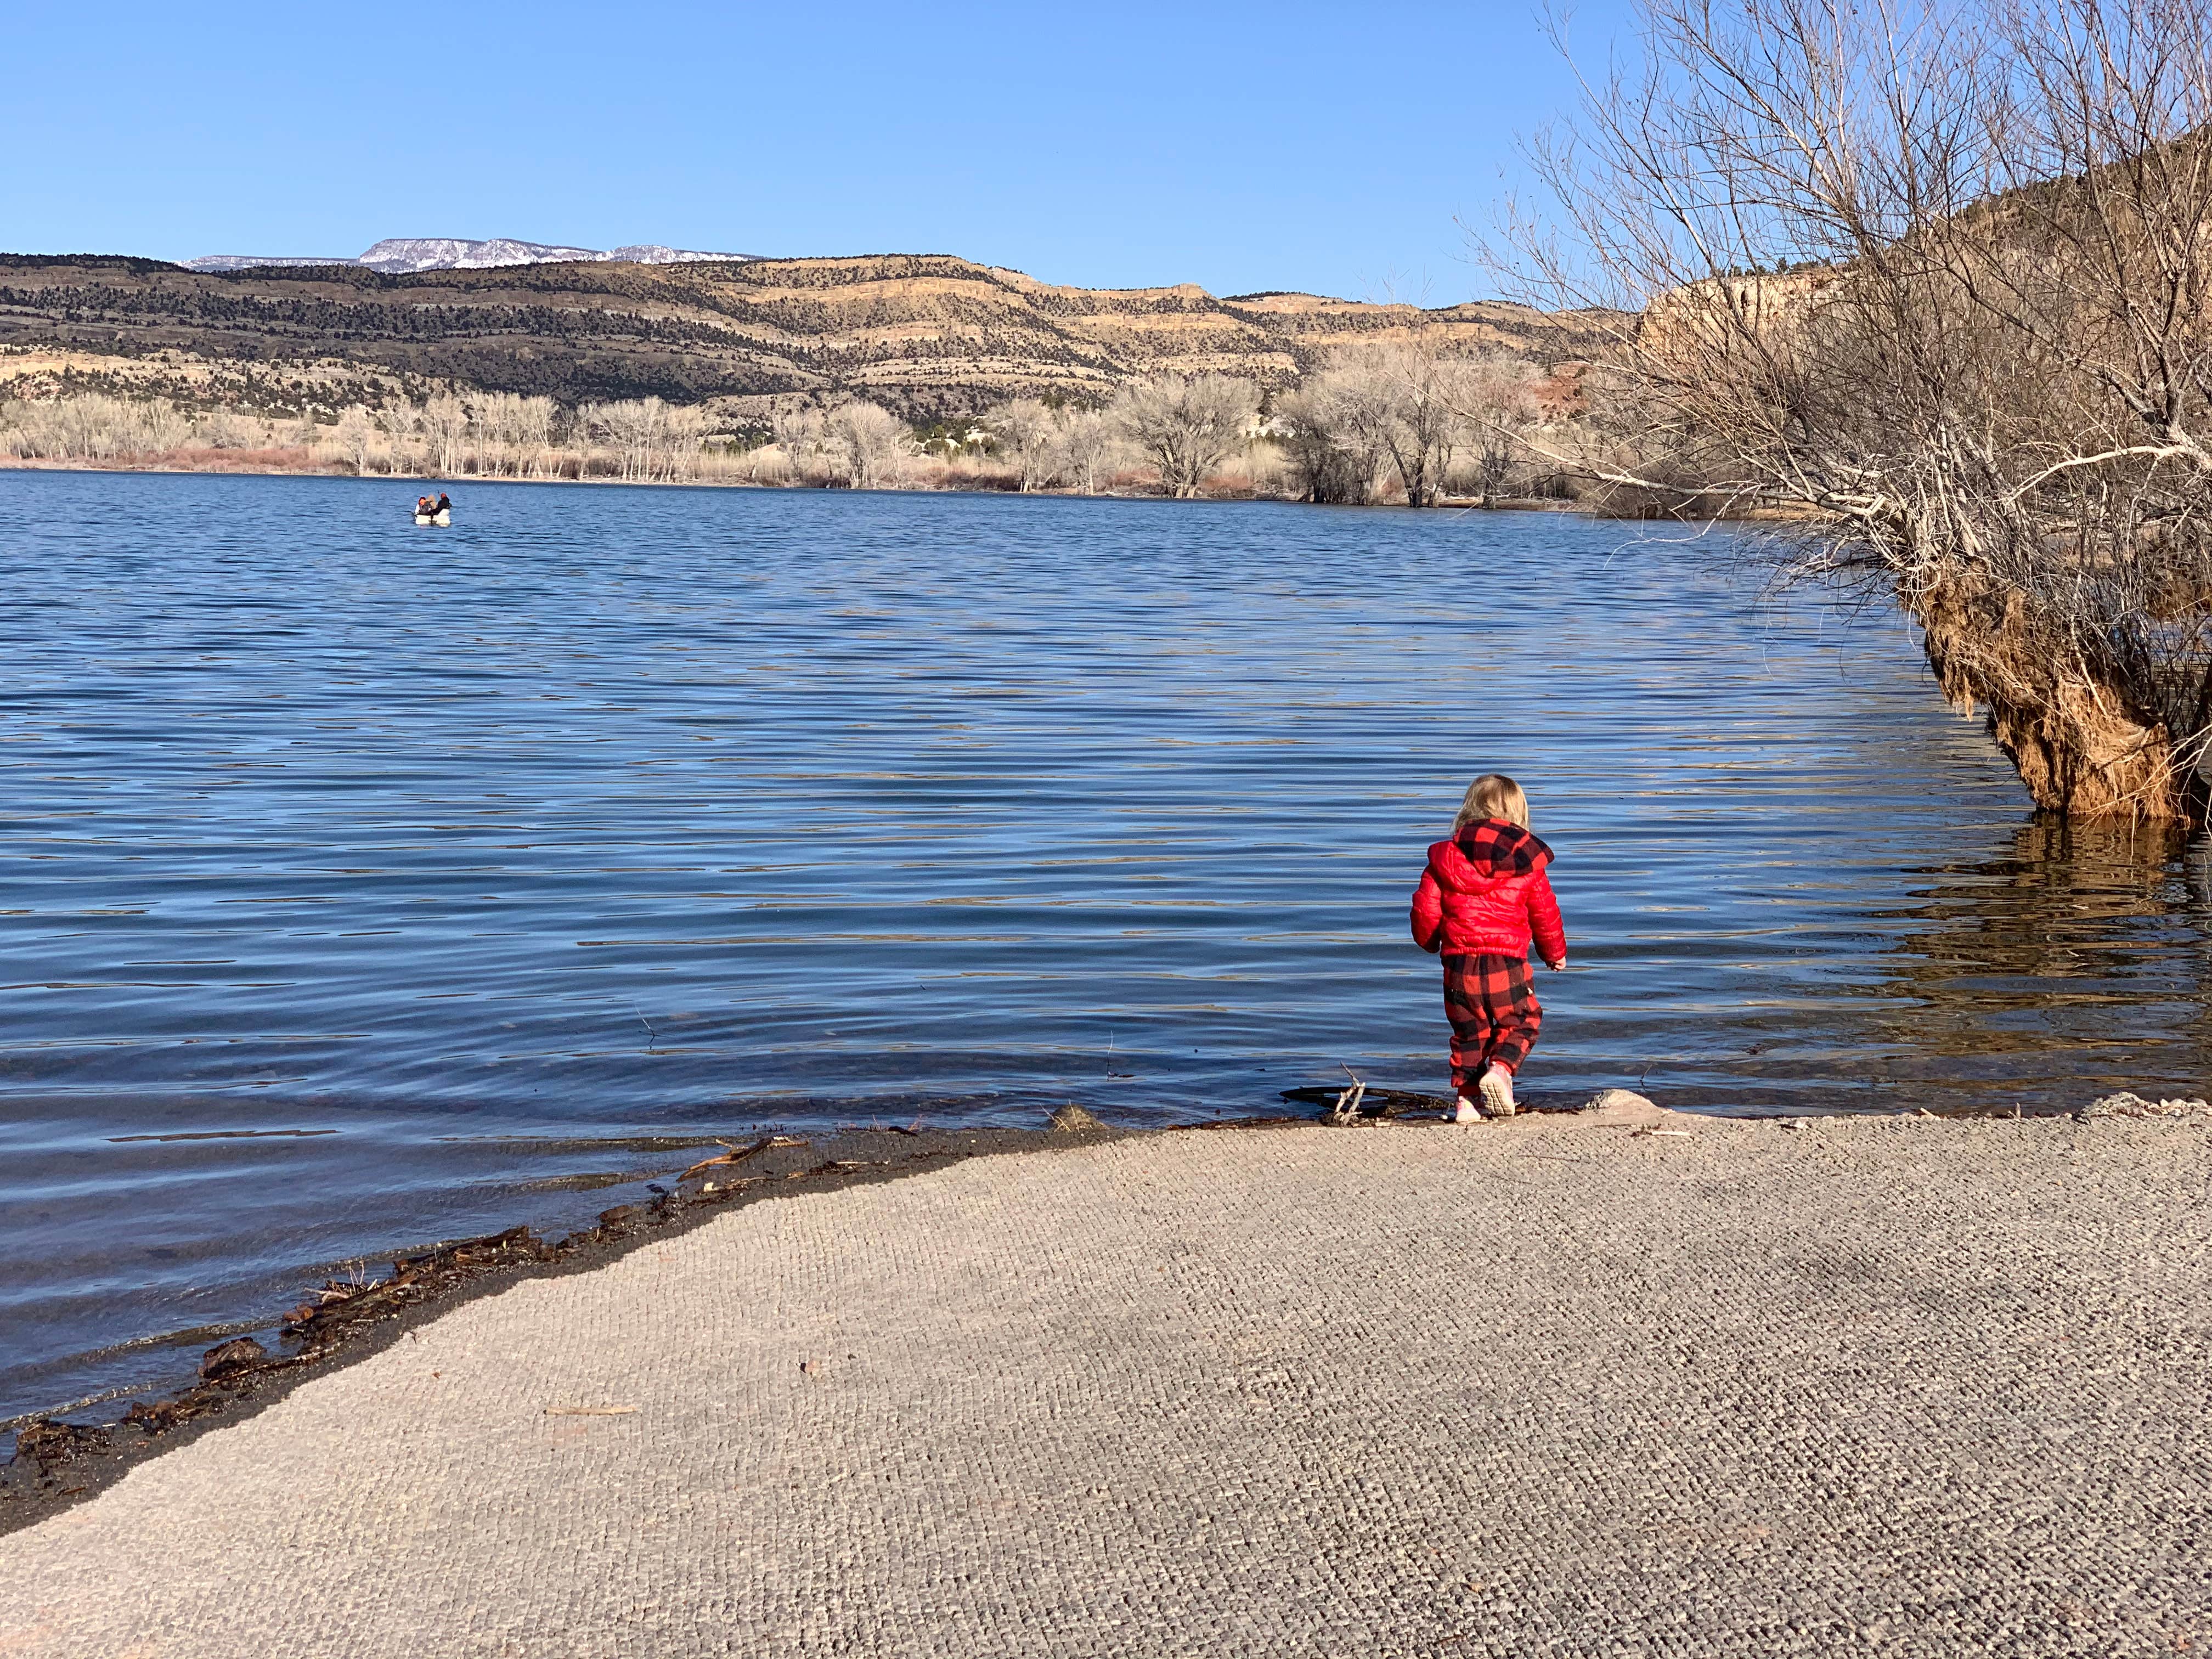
x: 1403, y: 422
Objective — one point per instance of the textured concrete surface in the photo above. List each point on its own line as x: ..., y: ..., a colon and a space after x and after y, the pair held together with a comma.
x: 1548, y: 1387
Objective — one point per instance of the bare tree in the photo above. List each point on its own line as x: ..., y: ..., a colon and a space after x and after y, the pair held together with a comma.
x: 800, y: 434
x: 400, y: 420
x: 1085, y: 445
x: 95, y: 426
x: 445, y: 422
x: 498, y: 423
x: 1413, y: 399
x: 1936, y: 280
x: 1405, y: 402
x: 1027, y: 431
x: 1500, y: 410
x: 872, y: 443
x: 533, y: 433
x: 1186, y: 426
x: 98, y: 427
x: 1332, y: 437
x: 679, y: 431
x: 164, y: 426
x: 356, y: 438
x: 650, y: 437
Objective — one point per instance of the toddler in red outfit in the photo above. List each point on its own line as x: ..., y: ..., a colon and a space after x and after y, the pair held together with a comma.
x: 1482, y: 900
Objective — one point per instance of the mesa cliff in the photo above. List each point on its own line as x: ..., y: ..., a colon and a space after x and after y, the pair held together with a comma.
x: 926, y: 335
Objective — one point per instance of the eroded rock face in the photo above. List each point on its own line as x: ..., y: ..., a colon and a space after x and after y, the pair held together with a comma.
x: 2078, y: 748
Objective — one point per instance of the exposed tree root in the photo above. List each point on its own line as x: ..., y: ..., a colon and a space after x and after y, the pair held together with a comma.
x: 2078, y: 746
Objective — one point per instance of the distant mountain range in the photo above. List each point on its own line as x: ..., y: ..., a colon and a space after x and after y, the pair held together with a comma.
x: 403, y: 255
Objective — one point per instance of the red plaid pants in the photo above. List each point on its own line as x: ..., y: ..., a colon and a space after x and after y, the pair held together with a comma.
x: 1490, y: 1001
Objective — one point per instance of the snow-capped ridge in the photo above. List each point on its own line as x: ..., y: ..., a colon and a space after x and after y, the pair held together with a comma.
x: 400, y: 255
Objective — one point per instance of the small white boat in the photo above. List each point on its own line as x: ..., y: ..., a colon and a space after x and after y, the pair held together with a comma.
x: 446, y: 517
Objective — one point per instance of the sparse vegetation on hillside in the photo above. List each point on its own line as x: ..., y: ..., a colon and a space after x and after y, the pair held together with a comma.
x: 926, y: 338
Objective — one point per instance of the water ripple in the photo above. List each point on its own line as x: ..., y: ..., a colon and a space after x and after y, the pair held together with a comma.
x: 368, y: 885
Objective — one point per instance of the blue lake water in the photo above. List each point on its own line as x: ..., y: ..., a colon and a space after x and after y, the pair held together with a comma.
x: 453, y: 863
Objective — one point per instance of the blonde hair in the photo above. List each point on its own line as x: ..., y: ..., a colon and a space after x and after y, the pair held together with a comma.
x: 1492, y: 795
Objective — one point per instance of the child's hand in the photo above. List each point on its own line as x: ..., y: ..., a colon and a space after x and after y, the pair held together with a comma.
x: 1555, y: 965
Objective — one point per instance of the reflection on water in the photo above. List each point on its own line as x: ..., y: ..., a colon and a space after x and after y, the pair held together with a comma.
x: 2078, y: 948
x: 369, y: 885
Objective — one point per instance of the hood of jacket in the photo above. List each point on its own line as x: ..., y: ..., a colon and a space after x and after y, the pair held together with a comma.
x: 1485, y: 855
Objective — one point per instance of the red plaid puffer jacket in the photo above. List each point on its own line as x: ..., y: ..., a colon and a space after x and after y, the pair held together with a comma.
x: 1486, y: 889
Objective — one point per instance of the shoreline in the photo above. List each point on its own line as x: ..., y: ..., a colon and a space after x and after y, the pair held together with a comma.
x: 66, y: 1462
x: 335, y: 469
x: 91, y: 1445
x: 83, y: 1458
x: 1739, y: 1387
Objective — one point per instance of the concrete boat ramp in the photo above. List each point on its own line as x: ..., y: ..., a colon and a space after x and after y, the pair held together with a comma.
x: 1626, y: 1383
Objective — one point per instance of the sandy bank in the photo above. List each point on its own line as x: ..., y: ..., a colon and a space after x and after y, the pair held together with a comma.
x: 1894, y: 1385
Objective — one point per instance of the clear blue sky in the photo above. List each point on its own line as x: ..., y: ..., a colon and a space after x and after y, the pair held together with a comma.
x: 1241, y: 147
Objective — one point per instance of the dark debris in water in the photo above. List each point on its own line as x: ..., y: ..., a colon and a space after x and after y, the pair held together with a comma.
x: 239, y: 1353
x: 49, y: 1445
x: 414, y: 1278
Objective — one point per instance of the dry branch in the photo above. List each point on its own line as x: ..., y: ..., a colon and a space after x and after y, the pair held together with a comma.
x: 1934, y: 281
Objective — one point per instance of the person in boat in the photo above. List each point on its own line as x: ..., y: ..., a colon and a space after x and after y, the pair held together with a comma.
x: 422, y: 507
x: 445, y: 502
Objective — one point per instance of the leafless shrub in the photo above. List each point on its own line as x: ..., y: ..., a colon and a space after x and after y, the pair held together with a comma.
x: 356, y: 437
x: 1934, y: 281
x: 445, y: 426
x: 225, y: 428
x: 1029, y: 436
x: 1085, y: 446
x: 1186, y: 426
x: 871, y: 442
x: 92, y: 427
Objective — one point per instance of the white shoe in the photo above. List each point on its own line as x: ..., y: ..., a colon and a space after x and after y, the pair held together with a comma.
x: 1466, y: 1112
x: 1497, y: 1090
